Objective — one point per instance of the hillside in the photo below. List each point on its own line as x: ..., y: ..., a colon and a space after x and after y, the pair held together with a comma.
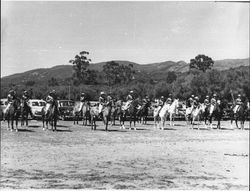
x: 154, y: 69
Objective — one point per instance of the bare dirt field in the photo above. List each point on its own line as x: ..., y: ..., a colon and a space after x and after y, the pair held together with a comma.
x: 77, y: 157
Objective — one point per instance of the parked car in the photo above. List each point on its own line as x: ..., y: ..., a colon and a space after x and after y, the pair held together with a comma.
x: 36, y: 107
x: 66, y: 109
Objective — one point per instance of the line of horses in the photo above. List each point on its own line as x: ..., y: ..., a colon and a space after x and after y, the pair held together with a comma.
x: 136, y: 112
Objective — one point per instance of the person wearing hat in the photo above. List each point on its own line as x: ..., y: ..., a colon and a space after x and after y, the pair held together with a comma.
x: 26, y: 98
x: 190, y: 101
x: 145, y: 100
x: 213, y: 100
x: 196, y: 102
x: 237, y: 104
x: 10, y: 98
x: 206, y: 101
x: 169, y: 99
x: 50, y: 100
x: 129, y: 99
x: 160, y: 103
x: 102, y: 101
x: 83, y: 99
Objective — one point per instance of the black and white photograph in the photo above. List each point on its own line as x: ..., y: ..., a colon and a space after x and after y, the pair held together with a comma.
x: 125, y: 95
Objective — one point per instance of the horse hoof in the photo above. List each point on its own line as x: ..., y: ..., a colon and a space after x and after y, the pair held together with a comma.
x: 16, y: 130
x: 11, y: 130
x: 43, y: 129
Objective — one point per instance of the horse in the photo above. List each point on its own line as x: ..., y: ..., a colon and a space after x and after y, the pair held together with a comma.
x: 142, y: 113
x: 50, y: 115
x: 239, y: 115
x: 12, y: 114
x: 131, y: 113
x: 106, y: 113
x: 116, y: 111
x: 188, y: 112
x: 94, y: 114
x: 163, y: 114
x: 81, y: 110
x: 24, y: 110
x: 197, y: 114
x: 216, y: 111
x: 173, y: 109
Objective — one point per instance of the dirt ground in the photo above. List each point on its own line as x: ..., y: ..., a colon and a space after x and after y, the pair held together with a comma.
x: 77, y: 157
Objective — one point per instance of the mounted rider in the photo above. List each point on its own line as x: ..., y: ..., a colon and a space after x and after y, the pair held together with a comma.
x: 169, y: 99
x: 238, y: 103
x: 102, y: 101
x: 214, y: 100
x: 190, y: 101
x: 213, y: 103
x: 10, y: 99
x: 51, y: 100
x: 26, y: 98
x: 196, y: 102
x: 206, y: 101
x: 83, y: 100
x: 129, y: 99
x: 145, y: 100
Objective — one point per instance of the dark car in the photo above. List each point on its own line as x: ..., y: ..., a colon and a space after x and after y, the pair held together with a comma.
x: 66, y: 109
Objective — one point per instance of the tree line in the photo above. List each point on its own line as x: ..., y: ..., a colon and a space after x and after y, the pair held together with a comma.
x: 118, y: 79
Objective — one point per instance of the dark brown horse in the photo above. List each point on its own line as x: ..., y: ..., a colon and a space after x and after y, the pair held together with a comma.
x: 12, y: 114
x: 216, y: 111
x: 239, y: 115
x: 130, y: 113
x: 24, y: 111
x: 142, y: 113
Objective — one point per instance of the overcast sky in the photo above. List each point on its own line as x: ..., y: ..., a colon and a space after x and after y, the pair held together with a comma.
x: 45, y: 34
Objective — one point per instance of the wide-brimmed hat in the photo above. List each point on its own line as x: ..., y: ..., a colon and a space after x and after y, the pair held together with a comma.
x: 131, y: 91
x: 102, y: 93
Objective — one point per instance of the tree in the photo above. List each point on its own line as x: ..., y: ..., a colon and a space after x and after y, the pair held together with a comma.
x: 80, y: 65
x: 201, y: 62
x: 171, y: 77
x: 52, y: 82
x: 112, y: 73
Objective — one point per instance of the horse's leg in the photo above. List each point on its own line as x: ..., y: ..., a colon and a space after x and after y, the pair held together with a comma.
x: 236, y: 122
x: 55, y: 123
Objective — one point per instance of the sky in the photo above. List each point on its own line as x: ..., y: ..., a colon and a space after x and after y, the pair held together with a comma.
x: 45, y: 34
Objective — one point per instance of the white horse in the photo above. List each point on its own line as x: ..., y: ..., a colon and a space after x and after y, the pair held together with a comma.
x: 197, y: 113
x: 170, y: 110
x: 163, y: 114
x: 173, y: 111
x: 156, y: 115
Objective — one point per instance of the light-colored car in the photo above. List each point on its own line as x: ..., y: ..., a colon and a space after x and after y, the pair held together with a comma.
x: 4, y: 104
x: 36, y: 107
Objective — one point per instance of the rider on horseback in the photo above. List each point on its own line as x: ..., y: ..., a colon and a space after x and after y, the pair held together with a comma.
x: 213, y: 99
x: 83, y: 100
x: 51, y: 99
x: 10, y: 98
x: 196, y: 102
x: 26, y: 98
x: 206, y: 101
x: 102, y: 101
x: 190, y: 101
x: 237, y: 104
x: 169, y: 99
x: 130, y: 99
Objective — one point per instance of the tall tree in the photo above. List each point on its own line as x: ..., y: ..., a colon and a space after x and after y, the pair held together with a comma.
x: 112, y: 72
x: 80, y: 65
x: 201, y: 62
